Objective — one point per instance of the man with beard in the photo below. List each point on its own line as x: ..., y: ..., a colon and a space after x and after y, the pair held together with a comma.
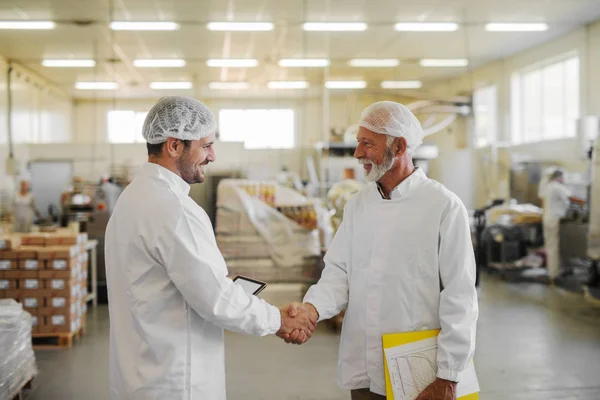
x: 402, y: 260
x: 169, y: 295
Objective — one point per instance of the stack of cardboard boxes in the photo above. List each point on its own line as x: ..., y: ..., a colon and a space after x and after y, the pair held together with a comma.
x: 47, y: 273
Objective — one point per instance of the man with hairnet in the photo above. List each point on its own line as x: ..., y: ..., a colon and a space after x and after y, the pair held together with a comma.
x: 169, y: 295
x: 401, y: 261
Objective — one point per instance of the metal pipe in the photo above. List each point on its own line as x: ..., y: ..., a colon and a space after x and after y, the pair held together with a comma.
x: 11, y: 153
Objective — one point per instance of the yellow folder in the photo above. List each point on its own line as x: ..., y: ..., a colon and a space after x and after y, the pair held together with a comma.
x: 398, y: 339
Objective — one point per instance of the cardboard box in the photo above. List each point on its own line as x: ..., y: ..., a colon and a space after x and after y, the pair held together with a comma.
x: 35, y: 323
x: 61, y: 287
x: 30, y: 265
x: 10, y: 274
x: 9, y: 242
x: 62, y: 240
x: 8, y: 255
x: 68, y: 274
x: 62, y: 323
x: 30, y: 284
x: 6, y: 265
x: 61, y: 264
x: 63, y: 305
x: 22, y: 274
x: 31, y: 302
x: 27, y: 252
x: 44, y: 311
x: 34, y: 239
x: 11, y: 294
x: 8, y: 284
x: 58, y: 253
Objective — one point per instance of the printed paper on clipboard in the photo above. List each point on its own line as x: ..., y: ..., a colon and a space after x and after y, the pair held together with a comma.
x: 413, y: 366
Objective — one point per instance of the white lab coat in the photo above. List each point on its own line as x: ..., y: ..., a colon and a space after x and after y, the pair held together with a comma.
x: 386, y: 264
x: 24, y: 212
x: 555, y: 208
x: 169, y: 297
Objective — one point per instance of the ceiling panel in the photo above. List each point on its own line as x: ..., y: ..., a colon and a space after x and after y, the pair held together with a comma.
x: 82, y: 32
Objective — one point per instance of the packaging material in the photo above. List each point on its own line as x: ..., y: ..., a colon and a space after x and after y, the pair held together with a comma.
x: 6, y: 265
x: 514, y: 214
x: 17, y: 360
x: 58, y: 253
x: 9, y: 255
x: 62, y: 240
x: 30, y: 284
x: 288, y: 242
x: 30, y: 265
x: 9, y: 242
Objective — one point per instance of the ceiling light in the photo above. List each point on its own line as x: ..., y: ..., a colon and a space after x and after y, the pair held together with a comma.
x: 518, y: 27
x: 231, y: 62
x: 426, y: 26
x: 68, y: 63
x: 298, y: 62
x: 334, y: 26
x: 143, y: 26
x: 345, y: 84
x: 96, y: 85
x: 432, y: 62
x: 170, y: 85
x: 27, y: 25
x: 374, y: 62
x: 240, y: 26
x: 159, y: 63
x: 228, y: 85
x: 287, y: 85
x: 401, y: 84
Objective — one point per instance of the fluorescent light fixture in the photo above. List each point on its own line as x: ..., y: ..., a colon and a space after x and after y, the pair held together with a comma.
x: 433, y: 62
x: 68, y: 63
x: 287, y: 85
x: 96, y: 85
x: 143, y: 26
x: 426, y: 26
x: 240, y: 26
x: 345, y: 84
x: 401, y: 84
x: 335, y: 26
x: 374, y: 62
x: 228, y: 85
x: 159, y: 63
x: 515, y: 27
x: 27, y: 25
x: 170, y: 85
x: 298, y: 62
x: 232, y: 62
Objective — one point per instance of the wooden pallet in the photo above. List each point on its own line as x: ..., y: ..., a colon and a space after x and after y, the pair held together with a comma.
x: 21, y: 395
x: 51, y: 341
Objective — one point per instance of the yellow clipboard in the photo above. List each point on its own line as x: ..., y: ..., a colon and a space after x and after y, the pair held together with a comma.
x: 398, y: 339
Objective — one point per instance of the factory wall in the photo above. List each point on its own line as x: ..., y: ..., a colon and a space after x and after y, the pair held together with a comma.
x: 494, y: 164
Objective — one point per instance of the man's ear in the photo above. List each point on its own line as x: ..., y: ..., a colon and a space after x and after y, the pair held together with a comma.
x: 400, y: 146
x: 174, y: 147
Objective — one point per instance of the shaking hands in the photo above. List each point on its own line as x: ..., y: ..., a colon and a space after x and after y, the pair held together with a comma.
x: 298, y: 322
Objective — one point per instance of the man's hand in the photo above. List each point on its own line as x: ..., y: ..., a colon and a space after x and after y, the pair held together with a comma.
x: 297, y: 321
x: 440, y: 389
x: 295, y: 310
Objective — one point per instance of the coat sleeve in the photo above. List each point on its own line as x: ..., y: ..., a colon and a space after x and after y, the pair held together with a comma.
x: 458, y: 308
x: 196, y: 267
x: 330, y: 294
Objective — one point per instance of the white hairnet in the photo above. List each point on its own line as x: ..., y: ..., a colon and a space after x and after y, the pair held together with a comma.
x: 393, y: 119
x: 178, y: 117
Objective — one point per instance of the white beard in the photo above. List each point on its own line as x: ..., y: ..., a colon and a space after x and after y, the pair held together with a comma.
x: 379, y: 170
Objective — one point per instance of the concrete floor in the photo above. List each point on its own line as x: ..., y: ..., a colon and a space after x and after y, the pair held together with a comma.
x: 534, y: 342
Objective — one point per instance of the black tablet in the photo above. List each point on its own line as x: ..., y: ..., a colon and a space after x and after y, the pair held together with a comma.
x: 251, y: 286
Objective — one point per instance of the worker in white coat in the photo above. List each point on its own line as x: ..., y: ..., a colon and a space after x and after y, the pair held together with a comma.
x: 168, y: 290
x: 24, y: 208
x: 402, y: 260
x: 557, y: 201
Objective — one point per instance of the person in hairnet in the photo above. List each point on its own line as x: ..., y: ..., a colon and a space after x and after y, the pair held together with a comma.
x: 402, y: 260
x: 168, y: 290
x: 557, y: 201
x: 24, y: 208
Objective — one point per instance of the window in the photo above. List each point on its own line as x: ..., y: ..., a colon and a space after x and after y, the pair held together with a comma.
x: 545, y: 101
x: 258, y: 129
x: 126, y: 126
x: 485, y: 108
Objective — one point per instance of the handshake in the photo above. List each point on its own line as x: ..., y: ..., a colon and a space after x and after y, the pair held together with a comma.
x: 298, y: 322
